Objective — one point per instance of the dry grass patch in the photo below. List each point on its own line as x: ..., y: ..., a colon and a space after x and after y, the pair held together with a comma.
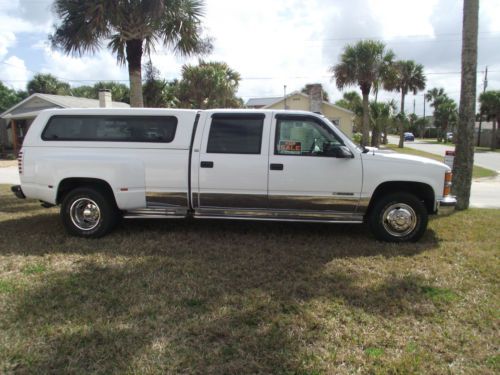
x: 216, y: 297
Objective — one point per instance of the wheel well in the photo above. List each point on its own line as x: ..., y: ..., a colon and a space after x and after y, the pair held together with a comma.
x: 68, y: 184
x: 422, y: 191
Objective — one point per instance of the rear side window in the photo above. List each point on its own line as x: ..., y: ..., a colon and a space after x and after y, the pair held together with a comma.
x: 159, y: 129
x: 235, y: 134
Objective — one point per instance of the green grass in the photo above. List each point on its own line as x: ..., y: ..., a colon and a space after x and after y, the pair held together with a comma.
x: 486, y: 149
x: 477, y: 171
x: 217, y: 297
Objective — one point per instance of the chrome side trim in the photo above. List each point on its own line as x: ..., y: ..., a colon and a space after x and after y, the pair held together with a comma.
x: 233, y: 200
x: 292, y: 215
x: 363, y: 205
x: 157, y: 212
x: 333, y: 221
x: 174, y: 199
x: 337, y: 203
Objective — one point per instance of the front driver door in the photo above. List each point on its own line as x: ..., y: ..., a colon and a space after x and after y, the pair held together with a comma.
x: 303, y: 176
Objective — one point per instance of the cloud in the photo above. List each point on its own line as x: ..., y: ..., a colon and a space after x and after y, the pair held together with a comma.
x: 281, y: 42
x: 15, y: 72
x: 82, y: 70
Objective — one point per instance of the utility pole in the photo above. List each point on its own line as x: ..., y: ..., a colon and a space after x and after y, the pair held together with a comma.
x: 480, y: 112
x: 284, y: 94
x: 425, y: 121
x: 413, y: 105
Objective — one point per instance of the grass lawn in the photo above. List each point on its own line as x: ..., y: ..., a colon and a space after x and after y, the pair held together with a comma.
x: 217, y: 297
x: 486, y: 149
x: 477, y: 171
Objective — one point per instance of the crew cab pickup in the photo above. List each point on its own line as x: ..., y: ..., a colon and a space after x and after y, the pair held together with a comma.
x: 103, y: 164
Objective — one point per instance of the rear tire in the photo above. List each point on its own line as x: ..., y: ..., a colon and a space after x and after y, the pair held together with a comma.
x: 398, y: 217
x: 88, y: 212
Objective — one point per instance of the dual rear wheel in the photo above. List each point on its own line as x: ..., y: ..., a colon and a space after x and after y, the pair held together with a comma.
x: 89, y: 212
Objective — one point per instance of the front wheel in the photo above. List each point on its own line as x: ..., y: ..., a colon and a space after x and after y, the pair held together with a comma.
x: 398, y: 217
x: 88, y: 212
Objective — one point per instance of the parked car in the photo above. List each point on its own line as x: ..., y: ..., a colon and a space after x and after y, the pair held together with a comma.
x: 409, y: 136
x: 101, y: 164
x: 449, y: 137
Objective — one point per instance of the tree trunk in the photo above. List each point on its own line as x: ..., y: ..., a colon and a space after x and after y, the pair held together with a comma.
x: 402, y: 122
x: 365, y: 139
x: 134, y: 60
x: 494, y: 132
x: 464, y: 150
x: 375, y: 136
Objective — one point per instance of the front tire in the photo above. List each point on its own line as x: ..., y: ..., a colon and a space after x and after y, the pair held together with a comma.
x: 398, y: 217
x: 88, y: 212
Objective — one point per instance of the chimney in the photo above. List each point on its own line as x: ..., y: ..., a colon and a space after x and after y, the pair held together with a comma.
x: 316, y: 97
x: 105, y: 98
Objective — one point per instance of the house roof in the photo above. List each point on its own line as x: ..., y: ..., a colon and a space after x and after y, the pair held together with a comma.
x: 261, y: 102
x: 61, y: 101
x: 272, y: 101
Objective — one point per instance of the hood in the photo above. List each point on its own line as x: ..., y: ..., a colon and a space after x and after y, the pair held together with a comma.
x: 390, y: 156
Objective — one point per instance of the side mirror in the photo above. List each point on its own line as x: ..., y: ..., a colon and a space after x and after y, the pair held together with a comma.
x: 341, y: 152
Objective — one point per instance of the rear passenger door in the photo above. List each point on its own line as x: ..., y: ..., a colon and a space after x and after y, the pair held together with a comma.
x: 233, y: 161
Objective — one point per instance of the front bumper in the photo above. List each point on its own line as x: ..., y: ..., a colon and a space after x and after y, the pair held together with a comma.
x: 446, y: 205
x: 18, y: 192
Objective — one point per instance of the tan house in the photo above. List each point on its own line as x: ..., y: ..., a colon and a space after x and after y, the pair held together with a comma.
x: 297, y: 100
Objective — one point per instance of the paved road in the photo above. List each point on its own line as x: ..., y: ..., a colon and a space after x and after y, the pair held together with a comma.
x: 490, y: 160
x: 485, y: 192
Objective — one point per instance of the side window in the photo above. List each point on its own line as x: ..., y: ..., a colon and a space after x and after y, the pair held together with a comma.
x: 235, y: 135
x: 159, y: 129
x: 303, y: 137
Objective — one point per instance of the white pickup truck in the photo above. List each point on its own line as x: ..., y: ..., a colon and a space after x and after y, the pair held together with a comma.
x: 103, y: 164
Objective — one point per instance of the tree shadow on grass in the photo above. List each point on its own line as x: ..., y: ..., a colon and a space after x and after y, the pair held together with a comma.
x: 179, y: 315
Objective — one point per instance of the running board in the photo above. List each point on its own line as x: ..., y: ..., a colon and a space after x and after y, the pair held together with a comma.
x: 156, y: 213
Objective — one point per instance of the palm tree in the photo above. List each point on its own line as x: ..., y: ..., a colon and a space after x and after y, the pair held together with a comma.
x: 445, y: 113
x: 48, y: 84
x: 490, y: 106
x: 363, y: 64
x: 209, y: 85
x: 464, y: 151
x: 406, y: 76
x: 132, y: 28
x: 434, y: 97
x: 380, y: 116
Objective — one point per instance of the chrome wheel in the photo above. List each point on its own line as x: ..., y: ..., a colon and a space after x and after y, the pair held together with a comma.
x: 399, y: 219
x: 85, y: 214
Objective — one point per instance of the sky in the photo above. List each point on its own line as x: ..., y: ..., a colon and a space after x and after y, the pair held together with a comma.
x: 273, y: 43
